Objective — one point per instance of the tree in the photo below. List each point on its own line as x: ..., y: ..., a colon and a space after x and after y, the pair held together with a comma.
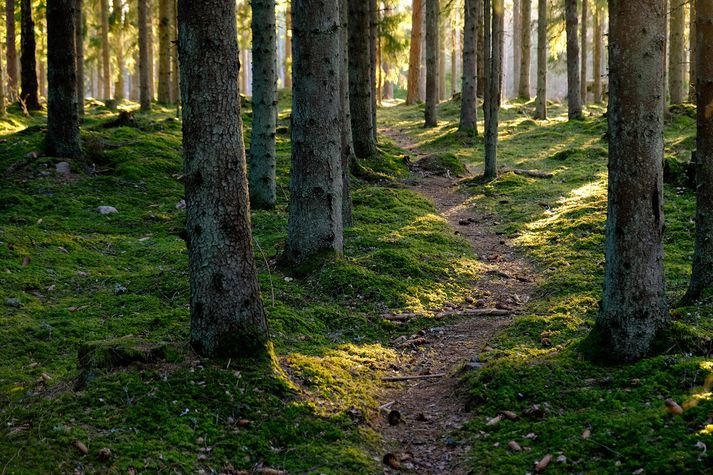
x: 584, y: 53
x: 347, y: 142
x: 227, y: 316
x: 11, y: 53
x: 702, y: 273
x: 516, y: 43
x: 468, y: 110
x: 480, y: 51
x: 116, y: 22
x: 288, y: 45
x: 106, y: 54
x: 541, y: 101
x: 574, y: 97
x: 633, y: 307
x: 262, y: 149
x: 164, y: 51
x: 3, y: 110
x: 441, y: 61
x: 692, y: 53
x: 315, y: 213
x: 414, y: 63
x: 63, y: 138
x: 373, y: 40
x: 526, y: 38
x: 432, y: 53
x: 597, y: 63
x: 360, y: 90
x: 79, y: 53
x: 676, y: 48
x: 494, y: 33
x: 28, y: 73
x: 145, y: 64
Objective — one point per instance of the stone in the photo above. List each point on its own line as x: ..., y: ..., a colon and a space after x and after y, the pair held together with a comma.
x: 104, y: 210
x: 63, y: 168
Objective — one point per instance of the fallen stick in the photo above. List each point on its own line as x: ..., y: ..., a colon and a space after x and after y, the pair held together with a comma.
x: 409, y: 378
x: 532, y: 173
x: 487, y: 312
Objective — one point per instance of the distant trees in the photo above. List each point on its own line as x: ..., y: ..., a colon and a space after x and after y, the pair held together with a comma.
x: 227, y: 316
x: 79, y: 53
x: 676, y: 44
x: 574, y: 97
x: 345, y: 119
x: 29, y: 94
x: 468, y: 111
x: 526, y: 39
x: 541, y: 101
x: 598, y: 47
x: 418, y: 19
x: 583, y: 53
x: 11, y: 51
x: 360, y: 90
x: 432, y: 52
x: 145, y: 63
x: 494, y: 32
x: 106, y: 50
x: 165, y: 14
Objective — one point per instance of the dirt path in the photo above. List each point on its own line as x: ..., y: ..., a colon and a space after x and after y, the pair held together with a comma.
x: 432, y: 411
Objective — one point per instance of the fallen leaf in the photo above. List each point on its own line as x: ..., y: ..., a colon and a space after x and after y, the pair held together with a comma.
x: 542, y: 464
x: 46, y: 377
x: 81, y: 447
x: 510, y: 415
x: 514, y: 446
x: 494, y: 421
x: 673, y: 407
x: 586, y: 434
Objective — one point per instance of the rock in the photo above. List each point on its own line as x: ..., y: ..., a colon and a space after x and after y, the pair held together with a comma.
x: 13, y: 302
x: 63, y: 168
x: 104, y: 210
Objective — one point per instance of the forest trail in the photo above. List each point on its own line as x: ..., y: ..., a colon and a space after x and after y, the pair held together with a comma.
x: 432, y: 411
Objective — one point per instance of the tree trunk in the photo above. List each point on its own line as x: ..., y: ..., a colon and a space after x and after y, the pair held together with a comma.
x: 526, y: 38
x: 288, y: 46
x: 468, y: 111
x: 360, y: 90
x: 597, y: 65
x: 164, y: 51
x: 135, y: 83
x: 441, y: 62
x: 151, y: 46
x: 227, y: 316
x: 692, y: 53
x: 11, y: 53
x: 117, y: 30
x: 414, y: 63
x: 62, y: 138
x: 144, y: 62
x: 541, y: 101
x: 702, y: 274
x: 345, y: 124
x: 676, y: 48
x: 106, y: 59
x: 41, y: 59
x: 574, y: 96
x: 315, y: 213
x: 175, y: 73
x: 388, y: 90
x: 454, y: 55
x: 494, y: 34
x: 373, y: 40
x: 79, y: 53
x: 516, y: 44
x: 584, y: 53
x: 261, y: 164
x: 432, y: 50
x: 28, y: 73
x: 3, y: 110
x: 633, y: 307
x: 480, y: 50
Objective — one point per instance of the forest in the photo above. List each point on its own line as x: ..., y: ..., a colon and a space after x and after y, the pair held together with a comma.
x: 356, y: 237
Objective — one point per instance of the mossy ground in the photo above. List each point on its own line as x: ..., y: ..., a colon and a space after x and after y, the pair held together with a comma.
x: 559, y: 223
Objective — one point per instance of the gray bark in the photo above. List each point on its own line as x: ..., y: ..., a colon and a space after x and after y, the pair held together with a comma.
x: 288, y: 46
x: 117, y: 26
x: 79, y: 53
x: 598, y: 46
x: 494, y: 34
x: 164, y: 51
x: 574, y: 96
x: 373, y: 40
x: 516, y: 43
x: 261, y: 163
x: 315, y: 215
x: 360, y: 90
x: 468, y: 110
x: 584, y: 53
x: 441, y: 62
x: 227, y: 316
x: 526, y: 39
x: 347, y: 143
x: 106, y: 60
x: 11, y: 52
x: 414, y: 63
x: 432, y: 53
x: 676, y: 49
x: 633, y: 307
x: 144, y: 61
x: 480, y: 51
x: 28, y: 73
x: 542, y: 21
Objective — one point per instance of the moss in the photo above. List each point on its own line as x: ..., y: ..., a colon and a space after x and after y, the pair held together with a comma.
x: 442, y: 164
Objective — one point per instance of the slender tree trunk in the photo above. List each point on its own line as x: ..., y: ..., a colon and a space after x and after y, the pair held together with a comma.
x: 164, y: 51
x: 79, y: 53
x: 315, y: 213
x: 29, y: 86
x: 480, y: 50
x: 261, y: 164
x: 692, y: 53
x: 574, y: 96
x: 106, y: 59
x: 3, y: 109
x: 62, y: 138
x: 584, y: 52
x: 676, y: 48
x: 175, y: 73
x: 227, y: 316
x: 597, y: 64
x: 144, y: 62
x: 288, y: 46
x: 524, y: 89
x: 11, y: 53
x: 441, y: 62
x: 117, y: 30
x: 41, y: 64
x: 702, y: 274
x: 516, y: 44
x: 414, y: 64
x: 468, y: 111
x: 373, y: 61
x: 432, y: 50
x: 541, y: 101
x: 422, y: 71
x: 495, y: 32
x: 135, y: 82
x: 633, y: 307
x: 388, y: 90
x: 345, y: 124
x: 360, y: 90
x: 454, y: 55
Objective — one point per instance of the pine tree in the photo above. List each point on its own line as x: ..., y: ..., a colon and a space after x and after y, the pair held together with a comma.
x: 468, y: 111
x: 574, y: 94
x: 106, y: 53
x: 676, y: 47
x: 414, y: 64
x: 145, y: 64
x: 11, y: 52
x: 29, y: 93
x: 526, y: 38
x: 432, y: 54
x: 541, y: 101
x: 360, y: 85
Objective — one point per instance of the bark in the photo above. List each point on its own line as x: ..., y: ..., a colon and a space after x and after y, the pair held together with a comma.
x: 288, y: 46
x: 79, y: 53
x: 315, y: 213
x: 598, y: 46
x: 106, y: 60
x: 150, y: 41
x: 468, y: 111
x: 494, y: 34
x: 3, y: 110
x: 144, y: 62
x: 432, y: 54
x: 516, y: 43
x: 414, y: 63
x: 692, y: 53
x: 388, y: 89
x: 526, y: 38
x: 441, y: 63
x: 227, y: 316
x: 584, y: 53
x: 422, y: 71
x: 542, y: 21
x: 62, y: 138
x: 28, y: 73
x: 261, y: 164
x: 574, y: 96
x: 175, y: 73
x: 11, y: 53
x: 164, y: 51
x: 702, y: 274
x: 347, y: 142
x: 360, y: 90
x: 633, y: 307
x: 117, y: 25
x: 454, y: 57
x: 480, y: 50
x: 676, y: 48
x: 373, y: 47
x: 41, y: 65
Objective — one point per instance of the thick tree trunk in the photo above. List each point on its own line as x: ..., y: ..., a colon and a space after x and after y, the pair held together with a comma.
x: 106, y: 59
x: 315, y: 213
x: 151, y: 46
x: 468, y: 111
x: 373, y: 61
x: 79, y: 53
x: 432, y: 53
x: 227, y: 316
x: 414, y: 63
x: 144, y: 62
x: 526, y: 38
x: 28, y: 74
x: 702, y: 275
x: 598, y: 46
x: 692, y: 53
x: 676, y: 48
x: 633, y: 307
x: 541, y: 101
x: 584, y: 53
x: 480, y: 50
x: 164, y: 51
x: 11, y: 53
x: 288, y: 46
x: 574, y: 96
x: 345, y: 124
x: 62, y: 138
x: 261, y: 163
x: 360, y: 90
x: 494, y: 34
x: 516, y: 44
